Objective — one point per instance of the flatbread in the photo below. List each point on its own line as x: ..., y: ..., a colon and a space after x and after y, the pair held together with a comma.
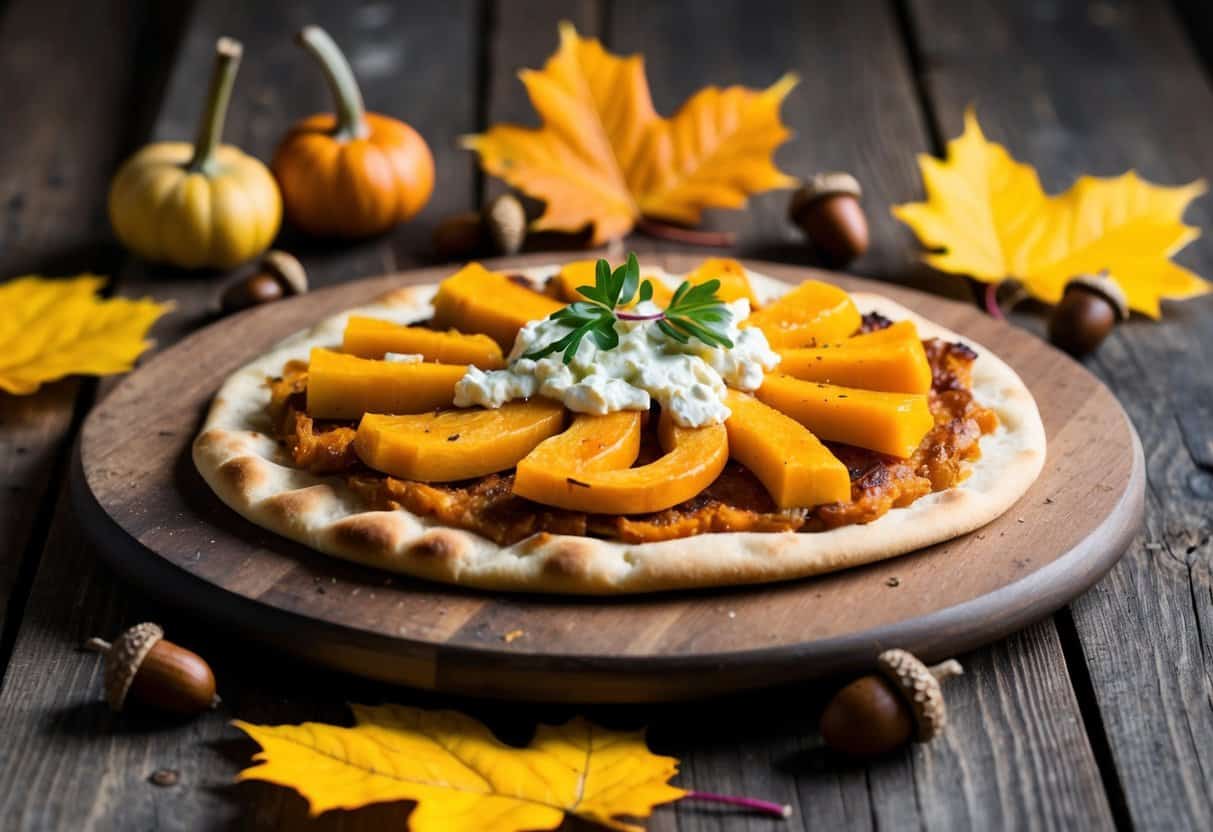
x: 251, y: 472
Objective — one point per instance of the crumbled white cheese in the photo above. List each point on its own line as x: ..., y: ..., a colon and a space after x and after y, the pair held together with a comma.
x: 688, y: 380
x: 404, y: 357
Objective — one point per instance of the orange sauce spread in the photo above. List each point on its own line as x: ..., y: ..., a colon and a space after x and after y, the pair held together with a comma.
x: 735, y: 502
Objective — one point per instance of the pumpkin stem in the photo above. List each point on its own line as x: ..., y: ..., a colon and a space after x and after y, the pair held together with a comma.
x: 351, y: 121
x: 210, y: 129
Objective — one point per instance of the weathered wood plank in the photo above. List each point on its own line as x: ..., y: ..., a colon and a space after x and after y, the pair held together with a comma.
x: 1016, y: 745
x: 54, y: 172
x: 417, y: 62
x: 414, y: 62
x: 1102, y: 89
x: 66, y: 747
x: 522, y: 35
x: 854, y: 103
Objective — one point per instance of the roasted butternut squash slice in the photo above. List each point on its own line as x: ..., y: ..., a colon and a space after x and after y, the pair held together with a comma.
x: 477, y: 300
x: 893, y: 334
x: 581, y: 273
x: 693, y: 458
x: 895, y: 367
x: 890, y: 423
x: 456, y: 444
x: 734, y: 285
x: 373, y: 338
x: 792, y: 464
x: 591, y: 443
x: 812, y: 313
x: 341, y: 386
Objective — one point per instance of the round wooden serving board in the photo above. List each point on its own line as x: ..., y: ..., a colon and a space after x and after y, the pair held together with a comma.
x: 160, y: 526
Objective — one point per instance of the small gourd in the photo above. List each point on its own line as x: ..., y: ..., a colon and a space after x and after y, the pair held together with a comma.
x: 201, y: 205
x: 353, y: 174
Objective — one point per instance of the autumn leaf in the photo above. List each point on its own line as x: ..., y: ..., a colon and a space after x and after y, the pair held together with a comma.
x: 994, y: 221
x: 605, y: 157
x: 462, y: 778
x: 54, y: 328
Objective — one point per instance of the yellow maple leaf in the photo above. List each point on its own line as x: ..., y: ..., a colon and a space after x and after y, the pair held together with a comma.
x: 54, y: 328
x: 605, y: 157
x: 462, y: 778
x: 994, y: 221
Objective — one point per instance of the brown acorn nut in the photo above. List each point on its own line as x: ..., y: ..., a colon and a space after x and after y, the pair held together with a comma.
x: 460, y: 237
x: 1090, y: 306
x: 276, y: 276
x: 827, y: 209
x: 499, y: 228
x: 880, y: 712
x: 141, y: 665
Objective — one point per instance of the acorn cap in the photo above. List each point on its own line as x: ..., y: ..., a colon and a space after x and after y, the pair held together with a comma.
x: 819, y: 186
x: 123, y: 658
x: 832, y: 182
x: 919, y: 686
x: 505, y: 219
x: 287, y: 268
x: 1104, y: 285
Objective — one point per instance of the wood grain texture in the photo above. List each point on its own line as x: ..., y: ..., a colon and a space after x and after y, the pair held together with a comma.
x: 1018, y: 759
x: 53, y: 180
x: 414, y: 61
x: 854, y: 109
x: 69, y: 763
x: 1061, y: 536
x: 1101, y: 89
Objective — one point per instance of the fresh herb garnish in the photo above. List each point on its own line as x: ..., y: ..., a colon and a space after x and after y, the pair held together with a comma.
x: 693, y: 312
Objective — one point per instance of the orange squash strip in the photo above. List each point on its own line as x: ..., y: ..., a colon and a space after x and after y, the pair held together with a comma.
x: 890, y: 423
x: 456, y: 444
x: 477, y: 300
x: 892, y: 368
x: 694, y: 458
x: 812, y: 313
x: 343, y: 386
x: 792, y: 464
x: 734, y: 284
x: 373, y: 338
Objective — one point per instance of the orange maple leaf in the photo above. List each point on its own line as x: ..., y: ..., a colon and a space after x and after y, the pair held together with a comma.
x: 605, y: 157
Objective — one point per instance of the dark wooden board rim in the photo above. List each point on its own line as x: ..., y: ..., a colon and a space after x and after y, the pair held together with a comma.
x: 462, y: 668
x: 1012, y: 607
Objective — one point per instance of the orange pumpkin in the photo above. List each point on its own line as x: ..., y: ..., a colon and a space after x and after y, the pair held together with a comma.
x: 353, y: 174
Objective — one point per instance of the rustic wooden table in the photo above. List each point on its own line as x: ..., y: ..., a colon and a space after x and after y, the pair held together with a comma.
x: 1099, y: 716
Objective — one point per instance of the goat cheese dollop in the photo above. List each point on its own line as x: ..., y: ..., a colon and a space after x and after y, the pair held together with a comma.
x: 688, y: 380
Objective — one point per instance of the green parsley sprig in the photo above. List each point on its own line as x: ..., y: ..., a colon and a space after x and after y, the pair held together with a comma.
x: 695, y: 311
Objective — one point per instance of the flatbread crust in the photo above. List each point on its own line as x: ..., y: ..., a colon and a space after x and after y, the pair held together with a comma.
x: 251, y: 472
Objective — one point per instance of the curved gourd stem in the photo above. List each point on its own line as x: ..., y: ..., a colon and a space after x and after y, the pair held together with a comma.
x: 351, y: 112
x: 210, y: 129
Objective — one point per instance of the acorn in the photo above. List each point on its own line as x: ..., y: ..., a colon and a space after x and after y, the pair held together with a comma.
x: 143, y: 666
x: 460, y: 237
x: 878, y: 713
x: 505, y: 219
x: 276, y: 276
x: 499, y: 228
x: 827, y: 209
x: 1090, y: 306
